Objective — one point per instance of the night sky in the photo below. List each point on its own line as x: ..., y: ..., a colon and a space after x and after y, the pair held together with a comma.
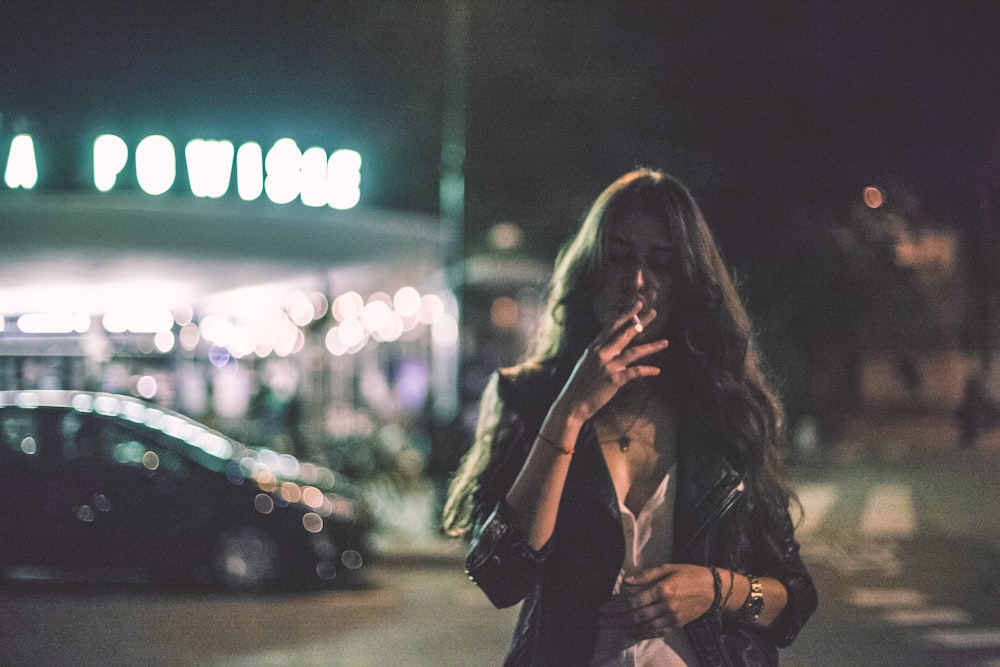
x: 757, y: 106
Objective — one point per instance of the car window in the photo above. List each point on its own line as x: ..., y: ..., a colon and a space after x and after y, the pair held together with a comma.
x: 115, y: 443
x: 82, y: 438
x: 19, y: 430
x: 70, y: 436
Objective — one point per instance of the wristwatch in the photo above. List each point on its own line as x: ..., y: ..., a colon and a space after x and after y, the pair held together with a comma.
x: 754, y: 604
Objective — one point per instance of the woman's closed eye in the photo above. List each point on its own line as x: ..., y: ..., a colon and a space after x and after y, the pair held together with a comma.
x: 661, y: 262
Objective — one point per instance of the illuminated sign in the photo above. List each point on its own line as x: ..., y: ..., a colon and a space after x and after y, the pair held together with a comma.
x: 22, y: 169
x: 283, y: 174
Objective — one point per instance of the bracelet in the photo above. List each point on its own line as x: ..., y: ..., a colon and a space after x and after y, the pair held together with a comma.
x: 717, y: 585
x: 754, y: 604
x: 555, y: 445
x: 732, y: 584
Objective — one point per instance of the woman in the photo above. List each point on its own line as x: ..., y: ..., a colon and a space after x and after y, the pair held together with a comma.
x: 625, y: 482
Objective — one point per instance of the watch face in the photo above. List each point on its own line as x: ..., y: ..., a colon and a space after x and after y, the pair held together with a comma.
x: 755, y: 604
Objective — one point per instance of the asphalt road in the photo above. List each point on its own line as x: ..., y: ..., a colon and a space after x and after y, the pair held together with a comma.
x: 904, y: 549
x: 416, y: 612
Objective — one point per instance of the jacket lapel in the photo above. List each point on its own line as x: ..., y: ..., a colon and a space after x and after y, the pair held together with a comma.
x: 708, y: 487
x: 590, y: 474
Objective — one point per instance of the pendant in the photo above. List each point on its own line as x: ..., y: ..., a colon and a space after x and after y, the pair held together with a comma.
x: 624, y: 442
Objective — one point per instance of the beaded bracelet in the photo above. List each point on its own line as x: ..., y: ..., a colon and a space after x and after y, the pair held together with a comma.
x: 717, y: 585
x: 547, y: 441
x: 732, y: 583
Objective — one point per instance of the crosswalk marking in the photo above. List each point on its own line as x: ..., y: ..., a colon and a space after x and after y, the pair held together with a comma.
x: 816, y: 501
x: 929, y: 616
x: 889, y: 509
x: 853, y: 556
x: 975, y: 638
x: 887, y: 597
x: 889, y: 512
x: 908, y: 607
x: 887, y: 518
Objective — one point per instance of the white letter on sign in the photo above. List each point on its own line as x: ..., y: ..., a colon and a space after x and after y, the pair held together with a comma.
x: 155, y: 164
x: 22, y: 169
x: 249, y: 171
x: 209, y: 166
x: 283, y: 166
x: 110, y: 155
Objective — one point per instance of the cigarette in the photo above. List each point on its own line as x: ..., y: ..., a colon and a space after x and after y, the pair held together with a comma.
x: 638, y: 324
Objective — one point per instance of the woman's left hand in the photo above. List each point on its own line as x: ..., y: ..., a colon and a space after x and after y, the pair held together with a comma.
x: 667, y: 596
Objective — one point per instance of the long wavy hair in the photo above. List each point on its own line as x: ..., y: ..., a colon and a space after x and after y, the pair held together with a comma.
x: 711, y: 351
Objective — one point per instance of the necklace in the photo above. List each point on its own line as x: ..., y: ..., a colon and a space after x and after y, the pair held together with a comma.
x: 625, y: 439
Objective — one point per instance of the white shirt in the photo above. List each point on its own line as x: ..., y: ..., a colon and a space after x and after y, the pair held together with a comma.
x: 649, y: 541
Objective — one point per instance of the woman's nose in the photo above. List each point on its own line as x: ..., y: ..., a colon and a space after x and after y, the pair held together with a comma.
x: 637, y: 277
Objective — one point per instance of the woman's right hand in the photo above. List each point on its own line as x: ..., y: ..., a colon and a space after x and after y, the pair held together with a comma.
x: 609, y: 363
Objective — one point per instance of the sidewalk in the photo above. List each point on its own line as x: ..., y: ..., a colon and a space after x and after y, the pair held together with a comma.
x: 430, y: 549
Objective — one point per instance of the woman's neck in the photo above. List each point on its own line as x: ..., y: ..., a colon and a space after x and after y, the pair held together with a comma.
x: 644, y: 391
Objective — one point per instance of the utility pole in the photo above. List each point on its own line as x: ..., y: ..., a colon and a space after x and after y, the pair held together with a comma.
x: 451, y: 189
x: 451, y: 200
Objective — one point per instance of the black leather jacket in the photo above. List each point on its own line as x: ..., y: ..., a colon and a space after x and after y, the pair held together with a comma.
x: 563, y: 585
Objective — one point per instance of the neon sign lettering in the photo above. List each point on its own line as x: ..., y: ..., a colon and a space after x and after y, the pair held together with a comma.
x: 22, y: 168
x: 284, y: 173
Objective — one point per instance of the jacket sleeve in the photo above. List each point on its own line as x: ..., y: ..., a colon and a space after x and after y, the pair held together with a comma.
x: 499, y: 559
x: 785, y: 564
x: 501, y: 562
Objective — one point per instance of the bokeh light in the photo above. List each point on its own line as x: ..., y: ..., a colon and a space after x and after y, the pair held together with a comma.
x: 347, y: 306
x: 504, y: 313
x: 43, y: 323
x: 873, y: 196
x: 146, y: 386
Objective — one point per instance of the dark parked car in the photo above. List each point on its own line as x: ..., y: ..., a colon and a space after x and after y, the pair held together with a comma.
x: 100, y: 486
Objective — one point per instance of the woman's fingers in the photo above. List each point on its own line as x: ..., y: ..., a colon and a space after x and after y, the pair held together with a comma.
x: 669, y: 595
x: 626, y: 324
x: 633, y: 354
x: 613, y: 352
x: 610, y: 362
x: 625, y: 615
x: 631, y: 324
x: 625, y: 366
x: 617, y: 339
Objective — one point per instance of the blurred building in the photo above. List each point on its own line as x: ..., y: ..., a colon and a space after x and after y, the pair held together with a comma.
x: 232, y: 209
x: 249, y: 286
x: 924, y: 335
x: 897, y: 320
